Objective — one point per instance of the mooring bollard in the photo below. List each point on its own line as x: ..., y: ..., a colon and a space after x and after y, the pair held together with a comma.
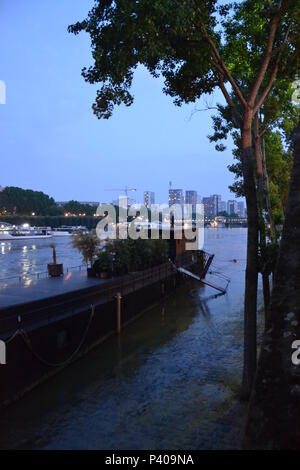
x: 119, y: 313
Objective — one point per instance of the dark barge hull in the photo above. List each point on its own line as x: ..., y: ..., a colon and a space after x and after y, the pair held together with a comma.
x: 44, y: 336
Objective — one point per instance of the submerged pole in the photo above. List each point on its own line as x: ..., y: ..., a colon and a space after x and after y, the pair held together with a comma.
x: 119, y: 313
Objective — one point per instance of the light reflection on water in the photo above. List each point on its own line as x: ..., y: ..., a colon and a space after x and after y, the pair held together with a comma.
x: 171, y: 381
x: 26, y: 258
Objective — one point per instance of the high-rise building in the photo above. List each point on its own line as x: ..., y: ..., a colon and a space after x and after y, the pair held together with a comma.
x: 176, y: 197
x: 209, y: 207
x: 241, y: 209
x: 217, y: 201
x: 149, y: 198
x: 212, y: 205
x: 222, y: 207
x: 191, y: 197
x: 232, y: 207
x: 124, y: 201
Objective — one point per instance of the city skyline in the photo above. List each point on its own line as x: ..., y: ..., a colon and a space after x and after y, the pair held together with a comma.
x: 52, y: 101
x: 188, y: 196
x: 183, y: 201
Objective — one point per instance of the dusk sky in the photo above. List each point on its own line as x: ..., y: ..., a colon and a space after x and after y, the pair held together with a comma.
x: 50, y: 139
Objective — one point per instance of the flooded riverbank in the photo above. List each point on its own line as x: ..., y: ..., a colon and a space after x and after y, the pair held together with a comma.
x: 170, y: 381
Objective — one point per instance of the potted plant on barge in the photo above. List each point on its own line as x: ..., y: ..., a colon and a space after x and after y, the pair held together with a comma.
x: 55, y: 269
x: 103, y: 264
x: 88, y: 245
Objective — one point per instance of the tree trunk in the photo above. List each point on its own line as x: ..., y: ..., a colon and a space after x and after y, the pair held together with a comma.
x: 250, y: 302
x: 259, y: 167
x: 265, y: 274
x: 274, y: 413
x: 263, y: 198
x: 263, y: 267
x: 267, y: 192
x: 266, y: 291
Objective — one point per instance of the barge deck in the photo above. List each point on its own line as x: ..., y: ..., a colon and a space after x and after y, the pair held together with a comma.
x: 38, y: 289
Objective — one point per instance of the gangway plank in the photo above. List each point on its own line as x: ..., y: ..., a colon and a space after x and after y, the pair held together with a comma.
x: 204, y: 281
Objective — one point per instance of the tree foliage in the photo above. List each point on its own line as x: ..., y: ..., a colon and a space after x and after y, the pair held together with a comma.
x: 136, y: 255
x: 76, y: 208
x: 88, y: 245
x: 20, y: 201
x: 172, y: 38
x: 15, y: 200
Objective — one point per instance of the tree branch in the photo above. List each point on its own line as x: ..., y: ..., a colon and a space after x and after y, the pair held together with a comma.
x: 225, y: 70
x: 221, y: 65
x: 197, y: 110
x: 274, y: 73
x: 263, y: 131
x: 267, y: 89
x: 268, y: 52
x: 236, y: 115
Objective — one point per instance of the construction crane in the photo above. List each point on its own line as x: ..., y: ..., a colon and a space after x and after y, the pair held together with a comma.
x: 126, y: 190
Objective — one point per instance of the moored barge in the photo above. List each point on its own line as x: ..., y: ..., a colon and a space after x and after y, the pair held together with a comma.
x: 50, y: 323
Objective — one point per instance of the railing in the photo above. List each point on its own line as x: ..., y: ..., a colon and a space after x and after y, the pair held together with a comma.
x: 200, y: 258
x: 134, y: 281
x: 74, y: 302
x: 38, y: 275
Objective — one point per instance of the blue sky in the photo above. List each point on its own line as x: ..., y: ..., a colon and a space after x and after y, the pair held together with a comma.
x: 51, y: 140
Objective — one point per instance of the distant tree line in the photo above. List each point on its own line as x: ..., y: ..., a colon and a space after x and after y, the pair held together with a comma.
x: 77, y: 208
x: 229, y: 216
x: 25, y: 202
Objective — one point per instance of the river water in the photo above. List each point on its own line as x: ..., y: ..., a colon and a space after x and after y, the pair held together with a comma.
x: 28, y: 258
x: 171, y: 381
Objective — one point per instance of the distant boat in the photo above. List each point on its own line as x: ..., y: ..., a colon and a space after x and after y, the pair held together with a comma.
x: 218, y: 222
x: 60, y: 232
x: 25, y: 232
x: 66, y: 231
